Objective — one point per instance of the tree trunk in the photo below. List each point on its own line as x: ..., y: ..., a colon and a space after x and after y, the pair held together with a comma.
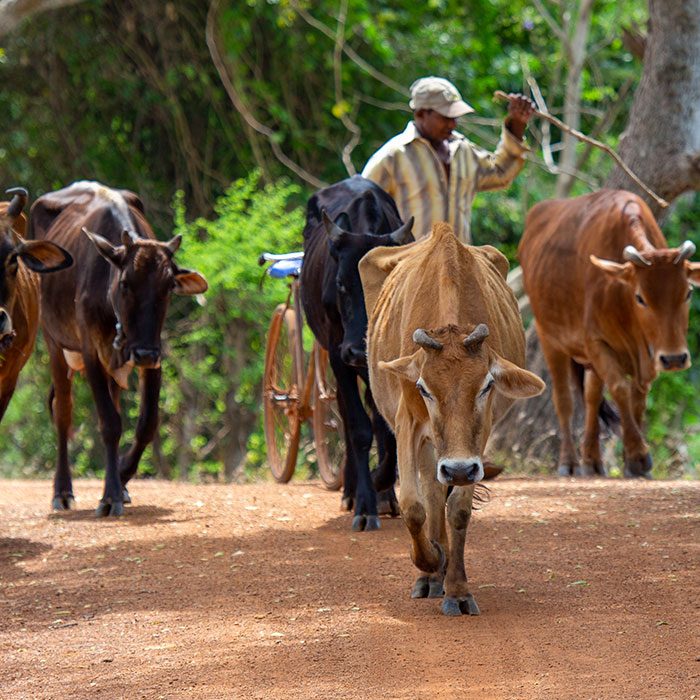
x: 662, y: 141
x: 662, y: 146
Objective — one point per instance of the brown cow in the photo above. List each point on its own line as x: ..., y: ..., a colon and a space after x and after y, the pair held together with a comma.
x: 19, y: 290
x: 441, y: 390
x: 105, y: 316
x: 607, y: 292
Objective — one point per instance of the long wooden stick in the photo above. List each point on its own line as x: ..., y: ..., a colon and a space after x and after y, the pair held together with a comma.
x: 500, y: 95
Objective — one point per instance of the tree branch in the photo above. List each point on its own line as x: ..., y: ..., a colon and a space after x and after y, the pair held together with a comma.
x: 243, y: 110
x: 500, y: 95
x: 14, y: 12
x: 350, y: 125
x: 349, y: 52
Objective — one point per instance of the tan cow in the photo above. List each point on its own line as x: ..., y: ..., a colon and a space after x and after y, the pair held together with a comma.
x: 19, y: 290
x: 607, y: 292
x: 440, y: 390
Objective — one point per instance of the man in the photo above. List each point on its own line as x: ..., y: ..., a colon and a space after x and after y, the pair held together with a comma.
x: 433, y: 172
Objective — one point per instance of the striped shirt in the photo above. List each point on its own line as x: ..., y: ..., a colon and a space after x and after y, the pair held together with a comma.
x: 409, y: 169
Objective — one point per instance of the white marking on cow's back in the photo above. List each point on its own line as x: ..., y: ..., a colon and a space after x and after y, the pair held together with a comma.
x: 115, y: 198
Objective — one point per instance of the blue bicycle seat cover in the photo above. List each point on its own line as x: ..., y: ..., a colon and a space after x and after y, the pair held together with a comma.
x: 285, y: 268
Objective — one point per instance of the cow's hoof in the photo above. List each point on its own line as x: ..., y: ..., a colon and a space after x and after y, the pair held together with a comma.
x: 639, y: 468
x: 436, y: 589
x: 105, y: 508
x: 460, y: 606
x: 365, y: 523
x: 421, y: 587
x: 586, y: 470
x: 347, y: 503
x: 63, y: 502
x: 125, y: 495
x: 564, y: 470
x: 387, y: 504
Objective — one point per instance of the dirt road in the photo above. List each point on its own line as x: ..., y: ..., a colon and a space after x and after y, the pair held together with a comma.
x: 586, y: 589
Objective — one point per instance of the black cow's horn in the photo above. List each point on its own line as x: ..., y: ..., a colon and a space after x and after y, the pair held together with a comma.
x: 174, y: 243
x: 421, y: 337
x: 129, y: 237
x: 633, y: 255
x: 335, y: 233
x: 687, y: 250
x: 403, y: 233
x: 18, y: 201
x: 476, y: 337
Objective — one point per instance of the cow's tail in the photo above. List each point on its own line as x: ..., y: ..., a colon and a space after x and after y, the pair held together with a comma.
x: 606, y: 411
x: 52, y: 396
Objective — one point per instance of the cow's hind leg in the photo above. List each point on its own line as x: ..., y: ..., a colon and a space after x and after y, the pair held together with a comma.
x: 61, y: 410
x: 458, y: 600
x: 149, y: 383
x: 560, y: 368
x: 592, y: 463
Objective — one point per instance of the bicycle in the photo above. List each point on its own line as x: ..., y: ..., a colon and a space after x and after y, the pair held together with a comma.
x: 294, y: 393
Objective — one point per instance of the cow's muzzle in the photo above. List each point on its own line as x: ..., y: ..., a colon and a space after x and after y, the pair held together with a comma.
x: 147, y: 358
x: 669, y: 362
x: 460, y: 472
x: 353, y: 355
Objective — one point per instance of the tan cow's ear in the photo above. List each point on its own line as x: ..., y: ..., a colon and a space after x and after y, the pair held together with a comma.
x: 44, y: 256
x: 406, y: 367
x: 622, y: 271
x: 513, y: 381
x: 693, y: 273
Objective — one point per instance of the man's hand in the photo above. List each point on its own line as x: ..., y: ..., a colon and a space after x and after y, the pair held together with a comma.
x: 520, y: 109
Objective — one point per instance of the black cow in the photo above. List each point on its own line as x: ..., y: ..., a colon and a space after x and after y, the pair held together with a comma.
x: 104, y: 316
x: 343, y: 222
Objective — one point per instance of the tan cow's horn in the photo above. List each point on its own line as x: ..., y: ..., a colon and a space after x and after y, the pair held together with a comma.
x: 18, y: 201
x: 687, y: 250
x: 476, y: 337
x: 332, y: 229
x: 633, y: 255
x: 401, y: 235
x: 421, y: 337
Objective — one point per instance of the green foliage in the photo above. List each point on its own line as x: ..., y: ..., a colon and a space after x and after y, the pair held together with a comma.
x: 217, y: 354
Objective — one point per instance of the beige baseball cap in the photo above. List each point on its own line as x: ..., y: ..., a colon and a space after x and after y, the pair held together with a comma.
x: 438, y: 94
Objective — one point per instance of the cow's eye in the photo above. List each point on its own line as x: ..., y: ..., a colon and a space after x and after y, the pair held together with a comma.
x: 486, y: 389
x: 688, y: 295
x: 124, y: 285
x: 342, y: 289
x: 639, y: 299
x: 423, y: 391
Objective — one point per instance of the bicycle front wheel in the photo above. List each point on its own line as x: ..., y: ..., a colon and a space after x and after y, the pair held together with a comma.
x: 281, y: 395
x: 327, y: 424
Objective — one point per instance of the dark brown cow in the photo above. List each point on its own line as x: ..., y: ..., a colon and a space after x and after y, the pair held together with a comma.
x: 104, y: 316
x: 19, y: 290
x: 607, y: 292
